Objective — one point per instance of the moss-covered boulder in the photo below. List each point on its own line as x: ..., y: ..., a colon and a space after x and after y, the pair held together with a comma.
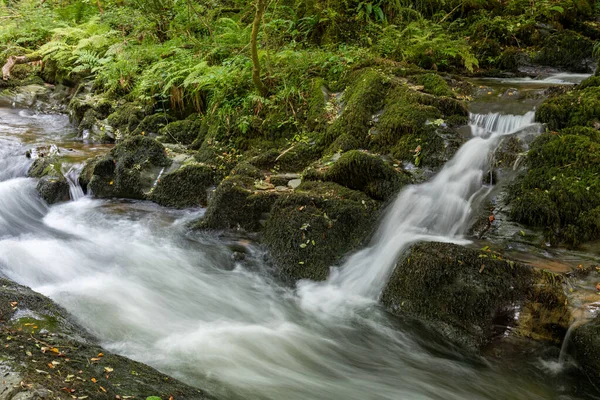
x: 313, y: 227
x: 46, y: 348
x: 184, y: 132
x: 53, y: 189
x: 363, y: 98
x: 185, y: 187
x: 52, y: 185
x: 433, y: 84
x: 584, y: 346
x: 152, y: 124
x: 126, y: 117
x: 130, y: 169
x: 560, y: 191
x: 368, y: 173
x: 470, y: 295
x: 236, y: 204
x: 579, y: 107
x: 567, y: 49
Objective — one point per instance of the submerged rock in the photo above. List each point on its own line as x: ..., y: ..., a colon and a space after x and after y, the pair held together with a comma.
x: 472, y: 296
x: 46, y: 353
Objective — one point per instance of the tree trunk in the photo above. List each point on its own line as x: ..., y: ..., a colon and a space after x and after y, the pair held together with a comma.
x: 14, y: 60
x: 261, y: 5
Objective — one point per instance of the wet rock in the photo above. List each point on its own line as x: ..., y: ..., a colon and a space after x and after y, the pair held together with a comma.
x: 35, y: 333
x: 130, y: 169
x: 472, y: 296
x: 311, y: 228
x: 185, y: 187
x: 585, y: 347
x: 236, y: 204
x: 294, y: 183
x: 53, y: 189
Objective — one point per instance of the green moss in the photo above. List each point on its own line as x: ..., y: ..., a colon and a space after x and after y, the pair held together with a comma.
x: 423, y: 149
x: 361, y: 100
x: 592, y: 81
x: 463, y: 292
x: 434, y: 84
x: 560, y: 190
x: 45, y: 166
x: 152, y: 124
x: 566, y: 49
x: 312, y: 228
x: 585, y: 347
x: 368, y: 173
x: 235, y: 205
x: 576, y: 107
x: 344, y: 142
x: 126, y: 117
x: 130, y: 169
x: 298, y: 157
x: 184, y: 187
x: 247, y: 169
x: 184, y: 132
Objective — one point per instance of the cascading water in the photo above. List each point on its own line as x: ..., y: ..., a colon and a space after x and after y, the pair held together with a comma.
x: 437, y: 210
x: 72, y: 176
x: 133, y: 276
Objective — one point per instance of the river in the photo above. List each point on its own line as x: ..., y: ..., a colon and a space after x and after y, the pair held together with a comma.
x: 149, y: 289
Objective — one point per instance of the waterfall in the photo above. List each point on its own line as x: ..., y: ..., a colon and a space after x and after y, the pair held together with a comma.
x: 437, y: 210
x: 72, y: 176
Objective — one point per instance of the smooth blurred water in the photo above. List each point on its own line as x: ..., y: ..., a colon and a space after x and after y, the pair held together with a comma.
x: 133, y: 275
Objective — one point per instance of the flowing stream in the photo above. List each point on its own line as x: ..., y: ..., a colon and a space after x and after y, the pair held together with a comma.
x: 133, y: 275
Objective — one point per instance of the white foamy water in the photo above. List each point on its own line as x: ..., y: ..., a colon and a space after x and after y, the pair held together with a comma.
x: 133, y: 276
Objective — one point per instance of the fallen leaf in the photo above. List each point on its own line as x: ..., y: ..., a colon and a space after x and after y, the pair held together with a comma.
x: 108, y: 369
x: 94, y: 380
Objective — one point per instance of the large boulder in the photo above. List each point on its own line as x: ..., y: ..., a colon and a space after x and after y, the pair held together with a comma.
x: 584, y: 346
x: 185, y: 187
x: 237, y: 204
x: 45, y: 353
x: 313, y: 227
x: 130, y: 169
x: 471, y: 296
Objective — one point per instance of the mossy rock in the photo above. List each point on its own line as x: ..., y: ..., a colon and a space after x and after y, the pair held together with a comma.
x: 184, y: 132
x: 49, y: 324
x: 298, y: 157
x: 45, y: 166
x: 312, y: 228
x: 433, y: 84
x: 87, y: 172
x: 363, y: 98
x: 247, y: 169
x: 152, y: 124
x: 573, y: 108
x: 585, y: 348
x: 560, y: 190
x: 236, y: 205
x: 359, y: 170
x: 467, y: 294
x: 344, y: 142
x: 130, y: 169
x: 185, y: 187
x: 126, y: 117
x: 567, y: 49
x: 53, y: 189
